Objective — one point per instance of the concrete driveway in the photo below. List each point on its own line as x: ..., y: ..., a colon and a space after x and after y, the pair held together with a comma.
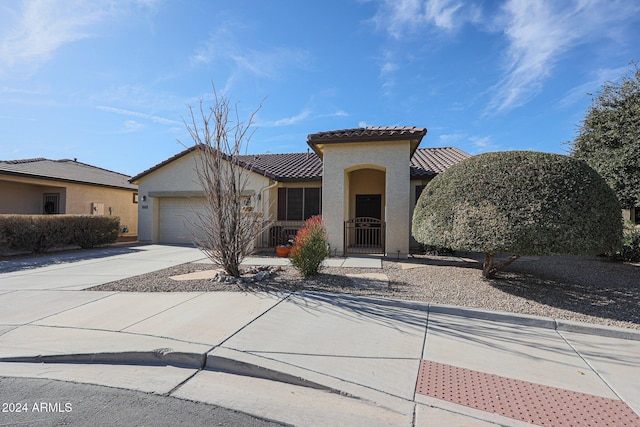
x: 85, y: 269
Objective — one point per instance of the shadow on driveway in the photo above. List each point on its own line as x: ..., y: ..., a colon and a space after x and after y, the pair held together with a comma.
x: 19, y: 263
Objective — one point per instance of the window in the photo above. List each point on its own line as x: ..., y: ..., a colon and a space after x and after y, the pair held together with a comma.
x: 135, y: 197
x: 297, y: 204
x: 51, y: 203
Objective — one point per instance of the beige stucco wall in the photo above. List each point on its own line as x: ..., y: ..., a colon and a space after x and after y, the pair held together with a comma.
x: 391, y: 157
x: 179, y: 179
x: 25, y: 196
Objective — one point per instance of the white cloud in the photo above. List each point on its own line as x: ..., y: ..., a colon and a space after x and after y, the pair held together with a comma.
x: 482, y: 144
x: 286, y: 121
x: 539, y: 33
x: 269, y: 62
x: 339, y: 113
x: 32, y: 31
x: 132, y: 126
x: 399, y: 17
x: 451, y: 138
x: 583, y: 90
x: 150, y: 117
x: 305, y: 114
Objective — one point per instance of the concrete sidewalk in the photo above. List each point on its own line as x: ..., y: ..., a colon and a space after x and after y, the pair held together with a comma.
x: 314, y: 358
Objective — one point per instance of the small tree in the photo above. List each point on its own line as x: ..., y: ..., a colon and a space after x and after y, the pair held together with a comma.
x: 311, y: 247
x: 519, y: 202
x: 609, y: 137
x: 224, y: 230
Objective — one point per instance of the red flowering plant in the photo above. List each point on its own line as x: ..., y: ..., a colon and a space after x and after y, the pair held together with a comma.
x: 311, y: 247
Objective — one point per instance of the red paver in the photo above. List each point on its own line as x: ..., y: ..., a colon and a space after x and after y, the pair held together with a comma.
x: 521, y: 400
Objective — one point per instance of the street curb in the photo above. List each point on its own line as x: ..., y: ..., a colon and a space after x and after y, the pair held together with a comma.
x: 496, y: 316
x: 236, y: 367
x: 148, y: 358
x: 603, y: 331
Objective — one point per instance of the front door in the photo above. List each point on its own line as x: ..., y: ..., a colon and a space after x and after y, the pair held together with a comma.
x: 368, y: 233
x: 369, y: 205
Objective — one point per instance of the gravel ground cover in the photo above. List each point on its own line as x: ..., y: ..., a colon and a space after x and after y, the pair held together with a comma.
x: 585, y: 289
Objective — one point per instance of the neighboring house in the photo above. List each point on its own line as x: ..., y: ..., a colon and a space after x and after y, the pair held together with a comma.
x: 364, y: 182
x: 42, y: 186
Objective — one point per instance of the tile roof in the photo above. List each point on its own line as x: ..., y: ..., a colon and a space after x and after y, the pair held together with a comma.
x: 426, y: 162
x: 432, y: 161
x: 370, y: 133
x: 65, y: 170
x: 286, y: 167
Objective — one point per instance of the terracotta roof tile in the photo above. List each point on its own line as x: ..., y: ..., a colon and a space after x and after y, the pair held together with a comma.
x: 308, y: 166
x: 65, y: 170
x: 432, y: 161
x: 286, y: 167
x: 368, y: 133
x: 426, y: 162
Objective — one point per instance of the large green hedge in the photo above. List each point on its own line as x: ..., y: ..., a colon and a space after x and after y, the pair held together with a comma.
x: 38, y: 233
x: 520, y: 202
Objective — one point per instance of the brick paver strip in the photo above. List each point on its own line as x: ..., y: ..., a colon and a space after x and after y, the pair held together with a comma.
x: 521, y: 400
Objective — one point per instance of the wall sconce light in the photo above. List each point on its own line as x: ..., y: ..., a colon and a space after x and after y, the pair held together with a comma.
x: 144, y: 198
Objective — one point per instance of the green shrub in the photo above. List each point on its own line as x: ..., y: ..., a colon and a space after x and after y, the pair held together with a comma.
x: 34, y: 233
x: 38, y: 233
x: 630, y: 250
x: 93, y: 230
x: 311, y: 247
x: 519, y: 202
x: 435, y: 250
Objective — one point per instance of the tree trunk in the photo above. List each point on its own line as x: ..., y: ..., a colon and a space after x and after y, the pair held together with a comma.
x: 489, y: 270
x: 487, y: 267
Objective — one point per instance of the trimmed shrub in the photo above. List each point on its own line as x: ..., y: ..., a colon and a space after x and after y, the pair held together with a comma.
x: 311, y: 247
x: 630, y: 250
x: 520, y: 202
x: 38, y: 233
x: 92, y: 230
x: 35, y: 233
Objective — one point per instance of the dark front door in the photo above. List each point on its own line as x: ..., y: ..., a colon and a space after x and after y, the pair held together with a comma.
x: 368, y: 232
x: 369, y: 205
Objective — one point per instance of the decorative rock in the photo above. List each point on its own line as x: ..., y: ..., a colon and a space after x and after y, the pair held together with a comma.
x: 262, y: 275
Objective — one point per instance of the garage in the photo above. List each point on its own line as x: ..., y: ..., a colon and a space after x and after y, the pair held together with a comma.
x: 176, y: 218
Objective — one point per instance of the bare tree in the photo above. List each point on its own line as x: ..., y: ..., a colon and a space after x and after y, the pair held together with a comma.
x: 225, y: 230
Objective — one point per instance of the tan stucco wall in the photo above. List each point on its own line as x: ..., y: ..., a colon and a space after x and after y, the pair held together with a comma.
x: 392, y: 157
x: 25, y: 196
x: 179, y: 179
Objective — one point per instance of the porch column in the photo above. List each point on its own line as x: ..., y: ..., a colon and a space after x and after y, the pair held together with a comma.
x: 333, y: 202
x: 397, y: 213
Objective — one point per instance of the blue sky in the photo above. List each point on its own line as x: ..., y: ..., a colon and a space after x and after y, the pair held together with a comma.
x: 109, y: 82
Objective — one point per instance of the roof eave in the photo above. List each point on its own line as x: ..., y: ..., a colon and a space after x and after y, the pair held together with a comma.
x: 71, y: 181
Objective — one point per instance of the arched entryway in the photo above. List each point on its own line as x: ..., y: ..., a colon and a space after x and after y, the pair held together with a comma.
x: 364, y: 228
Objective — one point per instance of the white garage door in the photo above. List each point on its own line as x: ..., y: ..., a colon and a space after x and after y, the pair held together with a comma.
x: 176, y: 216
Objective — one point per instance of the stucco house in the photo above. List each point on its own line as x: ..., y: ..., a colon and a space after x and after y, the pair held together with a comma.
x: 364, y: 182
x: 42, y: 186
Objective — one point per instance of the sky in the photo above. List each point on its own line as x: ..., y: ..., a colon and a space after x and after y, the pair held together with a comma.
x: 111, y: 82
